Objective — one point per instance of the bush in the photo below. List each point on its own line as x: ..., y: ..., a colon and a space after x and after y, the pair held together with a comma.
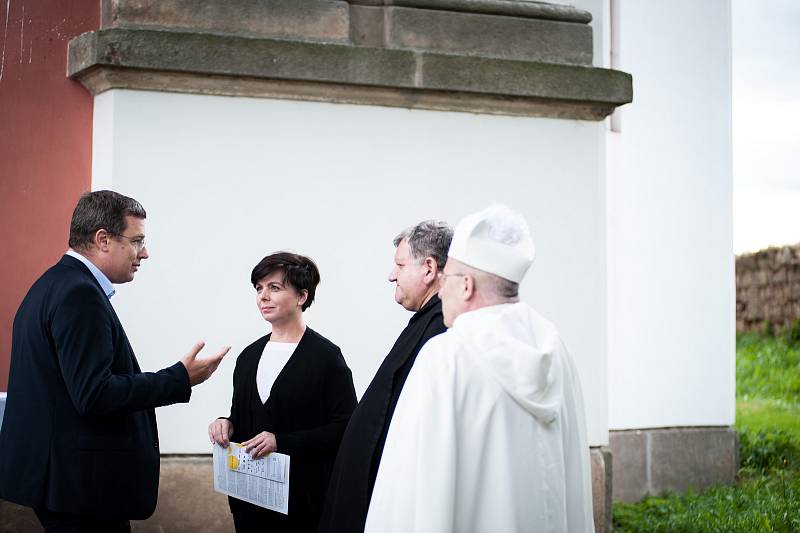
x: 767, y: 497
x: 766, y: 451
x: 762, y: 503
x: 793, y: 334
x: 767, y: 368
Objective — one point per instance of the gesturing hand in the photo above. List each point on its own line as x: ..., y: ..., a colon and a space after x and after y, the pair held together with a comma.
x: 260, y: 445
x: 200, y: 370
x: 220, y: 431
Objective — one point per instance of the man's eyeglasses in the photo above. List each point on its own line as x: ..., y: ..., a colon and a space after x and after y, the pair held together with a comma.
x: 137, y: 242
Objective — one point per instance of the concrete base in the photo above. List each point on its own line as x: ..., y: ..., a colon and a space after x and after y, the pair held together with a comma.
x: 651, y: 461
x: 647, y: 461
x: 17, y: 519
x: 601, y: 488
x: 187, y: 502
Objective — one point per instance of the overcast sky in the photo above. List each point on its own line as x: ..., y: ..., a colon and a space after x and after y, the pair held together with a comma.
x: 766, y: 123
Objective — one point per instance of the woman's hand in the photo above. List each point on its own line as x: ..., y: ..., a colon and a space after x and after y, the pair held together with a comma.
x: 261, y: 445
x: 220, y: 431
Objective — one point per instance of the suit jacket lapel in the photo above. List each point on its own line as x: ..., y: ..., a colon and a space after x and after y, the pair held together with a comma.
x: 71, y: 262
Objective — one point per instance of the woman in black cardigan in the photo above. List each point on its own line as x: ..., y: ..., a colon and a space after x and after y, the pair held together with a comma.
x: 292, y: 393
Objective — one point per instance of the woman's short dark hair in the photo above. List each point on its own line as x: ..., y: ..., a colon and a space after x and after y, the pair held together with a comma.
x: 101, y: 210
x: 298, y: 270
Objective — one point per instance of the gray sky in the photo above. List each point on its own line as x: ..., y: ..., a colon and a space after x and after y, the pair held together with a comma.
x: 766, y: 122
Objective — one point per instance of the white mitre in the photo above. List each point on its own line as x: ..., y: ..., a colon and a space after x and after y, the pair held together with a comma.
x: 495, y: 240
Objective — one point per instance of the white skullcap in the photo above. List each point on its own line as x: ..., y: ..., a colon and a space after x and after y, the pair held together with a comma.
x: 495, y: 240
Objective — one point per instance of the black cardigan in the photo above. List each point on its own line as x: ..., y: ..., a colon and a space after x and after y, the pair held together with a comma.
x: 308, y: 409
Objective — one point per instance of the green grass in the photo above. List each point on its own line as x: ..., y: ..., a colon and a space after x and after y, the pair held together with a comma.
x: 766, y: 414
x: 767, y: 495
x: 764, y: 453
x: 761, y: 503
x: 767, y: 368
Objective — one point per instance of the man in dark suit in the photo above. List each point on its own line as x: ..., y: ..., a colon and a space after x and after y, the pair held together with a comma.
x: 79, y: 441
x: 421, y: 252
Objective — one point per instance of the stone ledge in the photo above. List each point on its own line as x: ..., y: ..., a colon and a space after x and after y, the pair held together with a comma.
x: 651, y: 461
x: 485, y: 35
x: 495, y: 28
x: 212, y: 63
x: 514, y: 8
x: 322, y: 20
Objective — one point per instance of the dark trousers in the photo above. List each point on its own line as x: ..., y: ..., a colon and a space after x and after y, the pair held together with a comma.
x: 70, y: 523
x: 249, y: 518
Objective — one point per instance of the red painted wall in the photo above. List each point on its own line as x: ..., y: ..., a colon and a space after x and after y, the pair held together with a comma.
x: 45, y: 144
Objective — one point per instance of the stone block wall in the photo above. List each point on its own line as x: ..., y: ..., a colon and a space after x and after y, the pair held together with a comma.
x: 768, y: 288
x: 652, y: 461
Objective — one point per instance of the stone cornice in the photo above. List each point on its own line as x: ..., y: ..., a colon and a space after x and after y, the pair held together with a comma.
x: 483, y: 56
x: 513, y: 8
x: 229, y: 64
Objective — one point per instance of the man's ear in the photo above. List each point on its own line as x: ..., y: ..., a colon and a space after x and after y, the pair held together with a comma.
x: 101, y: 240
x: 468, y: 290
x: 431, y: 270
x: 303, y: 297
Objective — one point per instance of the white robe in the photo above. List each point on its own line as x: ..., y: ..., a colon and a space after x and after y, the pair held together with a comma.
x: 489, y: 433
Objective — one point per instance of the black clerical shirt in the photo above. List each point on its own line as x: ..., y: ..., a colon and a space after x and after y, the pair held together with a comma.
x: 356, y: 466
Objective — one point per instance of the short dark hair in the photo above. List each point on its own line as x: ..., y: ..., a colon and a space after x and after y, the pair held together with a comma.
x: 101, y: 210
x: 298, y: 270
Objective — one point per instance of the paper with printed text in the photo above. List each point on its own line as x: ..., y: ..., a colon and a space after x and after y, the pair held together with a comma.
x: 263, y: 481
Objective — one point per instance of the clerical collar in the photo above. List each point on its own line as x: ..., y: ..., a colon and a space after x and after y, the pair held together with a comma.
x: 433, y: 301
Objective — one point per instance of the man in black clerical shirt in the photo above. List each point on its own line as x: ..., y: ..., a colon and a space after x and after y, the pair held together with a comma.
x: 418, y: 261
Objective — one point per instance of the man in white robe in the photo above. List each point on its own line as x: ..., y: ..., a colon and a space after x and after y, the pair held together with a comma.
x: 489, y: 433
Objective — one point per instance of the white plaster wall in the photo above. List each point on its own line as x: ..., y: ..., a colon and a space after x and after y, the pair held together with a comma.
x: 227, y: 180
x: 671, y: 278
